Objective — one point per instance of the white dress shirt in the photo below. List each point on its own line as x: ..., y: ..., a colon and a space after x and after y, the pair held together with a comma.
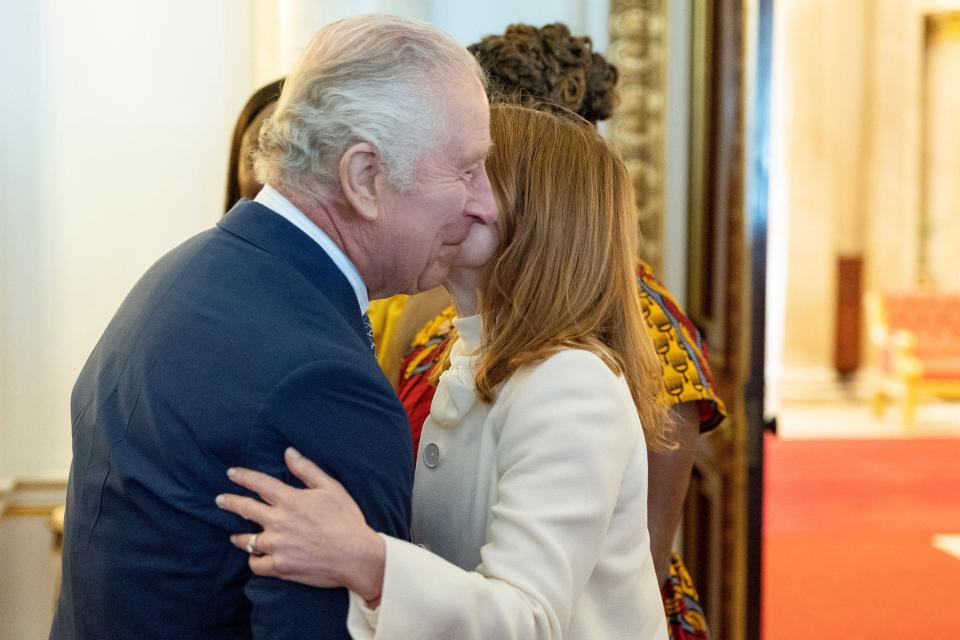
x: 532, y: 511
x: 276, y: 202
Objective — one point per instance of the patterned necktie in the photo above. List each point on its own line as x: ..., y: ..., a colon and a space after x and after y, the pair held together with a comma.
x: 369, y: 328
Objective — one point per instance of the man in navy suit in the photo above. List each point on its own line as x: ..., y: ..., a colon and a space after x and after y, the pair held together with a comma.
x: 252, y: 337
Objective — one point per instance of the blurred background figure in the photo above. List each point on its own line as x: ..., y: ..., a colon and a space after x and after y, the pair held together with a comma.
x: 241, y: 179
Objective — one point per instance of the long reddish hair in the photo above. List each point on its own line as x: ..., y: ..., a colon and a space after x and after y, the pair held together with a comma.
x: 564, y: 275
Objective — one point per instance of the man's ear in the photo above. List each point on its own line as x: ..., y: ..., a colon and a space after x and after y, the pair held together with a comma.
x: 359, y: 170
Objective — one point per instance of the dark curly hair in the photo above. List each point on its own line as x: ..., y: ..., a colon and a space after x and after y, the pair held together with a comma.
x: 530, y: 65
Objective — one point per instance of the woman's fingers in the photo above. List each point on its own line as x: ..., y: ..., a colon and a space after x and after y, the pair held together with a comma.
x: 280, y: 565
x: 267, y: 487
x: 242, y: 541
x: 264, y: 566
x: 309, y: 535
x: 264, y: 560
x: 310, y: 474
x: 246, y: 508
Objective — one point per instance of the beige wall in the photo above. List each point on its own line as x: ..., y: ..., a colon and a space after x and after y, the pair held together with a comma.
x: 29, y: 562
x: 30, y: 577
x: 894, y: 162
x: 850, y: 179
x: 116, y: 123
x: 119, y: 138
x: 822, y: 56
x: 941, y: 170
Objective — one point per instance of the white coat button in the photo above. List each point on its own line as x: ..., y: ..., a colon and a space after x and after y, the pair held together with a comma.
x: 431, y: 455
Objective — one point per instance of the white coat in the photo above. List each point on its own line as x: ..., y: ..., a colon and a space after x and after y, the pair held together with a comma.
x: 530, y: 513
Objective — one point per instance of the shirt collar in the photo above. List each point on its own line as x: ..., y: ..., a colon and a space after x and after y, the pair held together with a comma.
x: 276, y: 202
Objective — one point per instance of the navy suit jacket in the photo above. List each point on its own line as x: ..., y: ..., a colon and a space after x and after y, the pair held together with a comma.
x: 244, y: 340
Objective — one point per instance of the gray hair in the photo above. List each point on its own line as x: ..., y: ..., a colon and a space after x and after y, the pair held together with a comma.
x: 367, y: 79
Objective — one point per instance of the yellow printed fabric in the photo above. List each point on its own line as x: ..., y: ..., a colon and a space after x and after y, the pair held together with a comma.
x: 682, y: 351
x: 677, y: 341
x: 681, y: 602
x: 384, y: 318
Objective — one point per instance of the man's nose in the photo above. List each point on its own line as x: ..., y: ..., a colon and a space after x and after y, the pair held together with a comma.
x: 484, y: 205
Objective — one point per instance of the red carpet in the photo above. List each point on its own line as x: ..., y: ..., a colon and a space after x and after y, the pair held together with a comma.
x: 847, y: 532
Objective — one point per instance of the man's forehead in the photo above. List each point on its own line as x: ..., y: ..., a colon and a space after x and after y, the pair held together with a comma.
x: 477, y: 141
x: 482, y: 146
x: 469, y: 124
x: 470, y: 142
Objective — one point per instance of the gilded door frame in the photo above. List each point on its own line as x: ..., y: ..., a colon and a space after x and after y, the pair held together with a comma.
x: 938, y: 26
x: 730, y: 52
x: 638, y: 47
x: 716, y: 298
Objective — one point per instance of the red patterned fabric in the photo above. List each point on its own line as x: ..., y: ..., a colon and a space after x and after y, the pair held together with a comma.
x: 415, y: 390
x: 681, y: 602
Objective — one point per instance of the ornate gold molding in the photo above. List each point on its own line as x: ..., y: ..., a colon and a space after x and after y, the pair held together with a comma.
x: 29, y: 510
x: 638, y: 46
x: 40, y: 485
x: 943, y: 26
x: 30, y: 497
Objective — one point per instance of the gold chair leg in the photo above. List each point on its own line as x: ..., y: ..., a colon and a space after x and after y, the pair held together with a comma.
x: 910, y: 408
x: 878, y: 404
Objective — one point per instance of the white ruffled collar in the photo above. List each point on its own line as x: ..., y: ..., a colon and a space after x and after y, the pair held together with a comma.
x: 456, y: 392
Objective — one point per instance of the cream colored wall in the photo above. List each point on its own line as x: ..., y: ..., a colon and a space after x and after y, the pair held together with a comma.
x: 117, y: 155
x: 113, y: 140
x: 822, y: 57
x: 850, y: 178
x: 29, y: 562
x: 676, y: 216
x: 895, y: 158
x: 941, y: 174
x: 283, y: 27
x: 30, y: 576
x: 467, y: 20
x: 781, y: 114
